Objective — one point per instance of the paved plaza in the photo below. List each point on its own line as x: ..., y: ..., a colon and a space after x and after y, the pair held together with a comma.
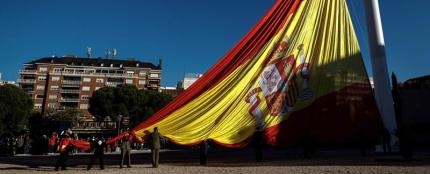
x: 229, y: 161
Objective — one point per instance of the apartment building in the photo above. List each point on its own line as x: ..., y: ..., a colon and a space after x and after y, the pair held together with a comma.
x: 59, y: 83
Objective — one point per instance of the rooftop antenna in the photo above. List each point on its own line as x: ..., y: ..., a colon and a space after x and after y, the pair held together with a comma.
x: 107, y: 53
x: 114, y: 53
x: 89, y: 52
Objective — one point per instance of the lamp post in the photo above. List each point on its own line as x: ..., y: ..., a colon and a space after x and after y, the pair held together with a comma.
x: 119, y: 123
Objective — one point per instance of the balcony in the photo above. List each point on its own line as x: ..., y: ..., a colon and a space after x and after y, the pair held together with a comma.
x: 71, y: 82
x: 27, y: 71
x: 154, y: 76
x: 26, y: 81
x: 95, y: 126
x: 63, y: 108
x: 114, y: 84
x: 77, y: 73
x: 69, y: 100
x: 70, y: 91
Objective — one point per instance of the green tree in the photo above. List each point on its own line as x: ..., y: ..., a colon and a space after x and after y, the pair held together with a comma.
x: 15, y: 109
x: 128, y: 101
x: 150, y: 102
x: 72, y: 116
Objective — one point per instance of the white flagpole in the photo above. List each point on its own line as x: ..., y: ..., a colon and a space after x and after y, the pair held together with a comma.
x: 383, y: 95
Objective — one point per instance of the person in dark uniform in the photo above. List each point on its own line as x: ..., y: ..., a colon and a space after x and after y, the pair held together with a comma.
x: 64, y: 148
x: 204, y: 152
x: 98, y: 145
x: 386, y: 140
x: 258, y: 138
x: 126, y: 150
x: 155, y: 148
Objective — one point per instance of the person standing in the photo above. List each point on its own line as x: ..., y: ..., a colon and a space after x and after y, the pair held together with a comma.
x: 258, y: 138
x: 52, y: 142
x: 126, y: 150
x: 155, y: 148
x: 98, y: 146
x: 64, y: 149
x: 203, y: 152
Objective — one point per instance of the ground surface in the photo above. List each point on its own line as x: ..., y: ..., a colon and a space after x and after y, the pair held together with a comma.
x: 229, y: 161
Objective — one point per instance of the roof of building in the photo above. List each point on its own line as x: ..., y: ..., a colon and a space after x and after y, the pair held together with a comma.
x: 417, y: 83
x: 95, y: 62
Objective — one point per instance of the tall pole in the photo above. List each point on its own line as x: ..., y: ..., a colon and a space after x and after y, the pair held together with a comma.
x: 383, y: 95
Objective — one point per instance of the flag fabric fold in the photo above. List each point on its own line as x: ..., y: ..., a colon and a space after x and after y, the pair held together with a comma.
x: 298, y: 74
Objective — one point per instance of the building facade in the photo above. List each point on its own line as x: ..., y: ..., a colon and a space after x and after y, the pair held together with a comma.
x: 60, y: 83
x: 189, y: 79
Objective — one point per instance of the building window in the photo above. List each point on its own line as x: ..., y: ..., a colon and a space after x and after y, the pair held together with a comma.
x: 54, y: 79
x: 40, y: 87
x: 154, y: 75
x: 43, y: 69
x: 129, y: 81
x: 51, y: 105
x: 142, y: 82
x: 38, y: 96
x: 85, y: 97
x: 54, y: 88
x: 83, y: 106
x: 87, y: 79
x: 85, y: 88
x: 142, y: 73
x: 99, y: 80
x: 41, y: 78
x: 130, y: 73
x: 97, y: 88
x: 56, y: 70
x: 37, y: 106
x: 52, y: 97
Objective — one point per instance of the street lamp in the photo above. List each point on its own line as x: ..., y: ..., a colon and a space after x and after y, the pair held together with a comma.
x: 119, y: 123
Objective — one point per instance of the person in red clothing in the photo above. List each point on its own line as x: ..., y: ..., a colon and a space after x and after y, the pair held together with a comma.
x: 64, y: 148
x: 52, y: 142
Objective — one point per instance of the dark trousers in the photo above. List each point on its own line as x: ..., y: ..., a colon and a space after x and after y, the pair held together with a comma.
x: 100, y: 156
x: 155, y: 157
x: 203, y: 154
x: 61, y: 162
x: 125, y: 154
x: 259, y: 153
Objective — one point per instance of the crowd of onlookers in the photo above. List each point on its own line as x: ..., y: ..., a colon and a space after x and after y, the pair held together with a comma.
x: 43, y: 145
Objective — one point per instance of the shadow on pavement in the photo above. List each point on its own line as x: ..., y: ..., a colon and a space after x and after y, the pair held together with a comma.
x: 221, y: 158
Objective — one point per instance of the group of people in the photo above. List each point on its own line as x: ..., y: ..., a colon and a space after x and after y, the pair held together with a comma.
x: 98, y: 145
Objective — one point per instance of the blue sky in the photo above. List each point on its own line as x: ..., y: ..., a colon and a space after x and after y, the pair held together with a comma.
x: 189, y: 35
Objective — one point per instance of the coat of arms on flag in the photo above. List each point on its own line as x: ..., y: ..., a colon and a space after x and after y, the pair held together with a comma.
x: 279, y: 84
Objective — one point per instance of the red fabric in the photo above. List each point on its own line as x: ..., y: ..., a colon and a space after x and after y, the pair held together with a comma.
x: 84, y: 145
x: 117, y: 138
x: 334, y: 118
x: 246, y: 49
x: 52, y: 141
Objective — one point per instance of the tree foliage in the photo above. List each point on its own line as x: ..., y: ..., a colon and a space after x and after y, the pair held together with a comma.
x: 128, y: 101
x: 72, y: 116
x: 15, y: 109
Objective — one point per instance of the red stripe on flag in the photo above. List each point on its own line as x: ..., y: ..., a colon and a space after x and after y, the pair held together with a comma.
x: 246, y: 49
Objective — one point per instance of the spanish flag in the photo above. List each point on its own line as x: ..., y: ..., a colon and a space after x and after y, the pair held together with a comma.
x: 298, y: 74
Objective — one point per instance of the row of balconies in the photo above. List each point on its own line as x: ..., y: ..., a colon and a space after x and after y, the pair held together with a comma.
x: 89, y: 73
x: 96, y: 125
x: 71, y: 100
x: 26, y: 81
